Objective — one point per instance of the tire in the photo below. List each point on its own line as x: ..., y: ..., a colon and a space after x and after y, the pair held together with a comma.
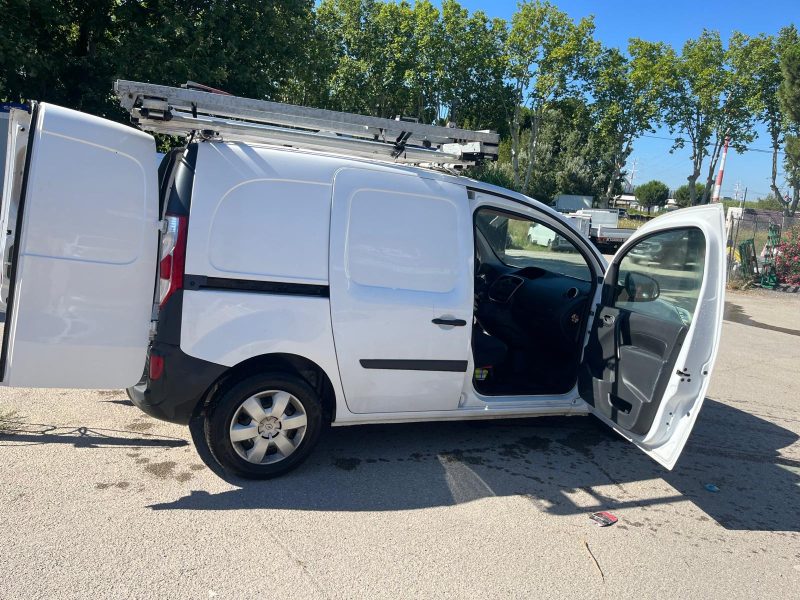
x: 248, y: 440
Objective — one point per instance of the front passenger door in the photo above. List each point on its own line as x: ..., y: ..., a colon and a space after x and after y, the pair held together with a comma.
x: 654, y: 338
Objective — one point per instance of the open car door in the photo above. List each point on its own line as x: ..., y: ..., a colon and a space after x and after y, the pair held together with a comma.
x: 655, y: 334
x: 13, y: 144
x: 80, y: 210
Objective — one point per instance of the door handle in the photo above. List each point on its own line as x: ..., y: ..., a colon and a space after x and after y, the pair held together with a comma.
x: 453, y: 322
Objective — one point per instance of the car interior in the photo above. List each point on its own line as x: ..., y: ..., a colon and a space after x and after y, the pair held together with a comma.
x: 531, y: 307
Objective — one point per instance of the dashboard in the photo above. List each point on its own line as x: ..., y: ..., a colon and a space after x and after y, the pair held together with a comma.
x: 527, y: 306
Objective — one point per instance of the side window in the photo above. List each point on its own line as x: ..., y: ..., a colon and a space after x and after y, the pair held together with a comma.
x: 521, y: 242
x: 403, y: 241
x: 661, y: 275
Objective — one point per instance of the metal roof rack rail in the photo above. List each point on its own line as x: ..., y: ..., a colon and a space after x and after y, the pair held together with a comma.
x: 211, y: 114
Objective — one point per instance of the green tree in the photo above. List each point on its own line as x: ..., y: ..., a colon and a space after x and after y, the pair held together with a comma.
x: 758, y: 61
x: 683, y: 196
x: 770, y: 203
x: 61, y: 51
x: 549, y: 54
x: 387, y: 58
x: 789, y: 96
x: 573, y: 155
x: 705, y: 102
x: 653, y: 193
x: 626, y: 96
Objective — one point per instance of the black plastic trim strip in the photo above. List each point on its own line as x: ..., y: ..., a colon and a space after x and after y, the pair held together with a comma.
x: 454, y: 366
x: 201, y: 282
x: 17, y: 239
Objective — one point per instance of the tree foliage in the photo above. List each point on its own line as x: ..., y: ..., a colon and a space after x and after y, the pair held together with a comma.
x: 653, y: 193
x: 548, y: 56
x: 705, y: 101
x: 683, y: 195
x: 568, y: 110
x: 789, y: 96
x: 626, y: 94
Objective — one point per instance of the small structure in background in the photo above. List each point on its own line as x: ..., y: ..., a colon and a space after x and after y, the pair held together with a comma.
x: 567, y: 203
x: 627, y: 201
x: 753, y: 236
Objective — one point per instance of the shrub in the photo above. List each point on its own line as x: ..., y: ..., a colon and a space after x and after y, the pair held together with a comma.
x: 787, y: 258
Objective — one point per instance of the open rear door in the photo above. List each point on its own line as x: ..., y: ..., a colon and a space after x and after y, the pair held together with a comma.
x: 84, y: 252
x: 14, y: 145
x: 651, y: 349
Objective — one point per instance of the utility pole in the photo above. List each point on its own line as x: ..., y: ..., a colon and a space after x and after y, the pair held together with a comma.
x: 718, y: 185
x: 632, y: 176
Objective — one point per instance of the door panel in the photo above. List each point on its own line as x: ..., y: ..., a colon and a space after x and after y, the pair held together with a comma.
x: 83, y: 267
x: 15, y: 150
x: 654, y: 339
x: 631, y: 361
x: 401, y: 257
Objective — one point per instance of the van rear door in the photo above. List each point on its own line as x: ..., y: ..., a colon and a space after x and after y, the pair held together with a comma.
x: 82, y: 265
x: 14, y: 127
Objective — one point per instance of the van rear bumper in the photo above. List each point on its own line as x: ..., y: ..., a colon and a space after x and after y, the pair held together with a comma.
x: 183, y: 384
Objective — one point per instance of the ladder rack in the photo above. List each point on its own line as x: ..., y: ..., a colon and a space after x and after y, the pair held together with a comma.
x: 215, y: 115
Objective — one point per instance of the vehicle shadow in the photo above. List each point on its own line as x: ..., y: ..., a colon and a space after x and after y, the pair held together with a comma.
x: 18, y: 433
x: 550, y: 461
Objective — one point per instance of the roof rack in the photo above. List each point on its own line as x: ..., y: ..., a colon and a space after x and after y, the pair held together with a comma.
x: 197, y: 110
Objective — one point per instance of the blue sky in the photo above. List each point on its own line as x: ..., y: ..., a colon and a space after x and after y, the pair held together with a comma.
x: 675, y: 21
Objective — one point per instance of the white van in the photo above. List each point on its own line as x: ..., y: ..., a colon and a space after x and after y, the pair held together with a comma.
x: 268, y: 291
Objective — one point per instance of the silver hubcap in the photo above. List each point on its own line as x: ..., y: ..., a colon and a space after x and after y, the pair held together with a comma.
x: 268, y: 427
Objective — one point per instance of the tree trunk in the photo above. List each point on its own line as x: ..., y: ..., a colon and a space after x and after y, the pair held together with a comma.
x: 619, y: 163
x: 535, y: 122
x: 710, y: 181
x: 515, y: 126
x: 791, y: 209
x: 692, y: 179
x: 773, y: 185
x: 697, y: 165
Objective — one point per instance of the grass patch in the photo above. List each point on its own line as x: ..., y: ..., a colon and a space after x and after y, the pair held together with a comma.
x: 7, y: 419
x: 630, y: 223
x: 740, y: 285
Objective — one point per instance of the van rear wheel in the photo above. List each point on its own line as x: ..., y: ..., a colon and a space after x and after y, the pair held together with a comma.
x: 264, y: 426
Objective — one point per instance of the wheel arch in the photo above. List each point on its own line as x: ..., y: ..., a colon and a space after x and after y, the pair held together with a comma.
x: 295, y: 364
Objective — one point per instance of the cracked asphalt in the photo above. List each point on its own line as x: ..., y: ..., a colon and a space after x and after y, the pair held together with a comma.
x: 98, y: 500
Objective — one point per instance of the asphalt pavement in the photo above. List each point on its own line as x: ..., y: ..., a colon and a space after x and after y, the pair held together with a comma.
x: 98, y: 500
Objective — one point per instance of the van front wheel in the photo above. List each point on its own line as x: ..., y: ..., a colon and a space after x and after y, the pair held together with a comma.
x: 264, y: 426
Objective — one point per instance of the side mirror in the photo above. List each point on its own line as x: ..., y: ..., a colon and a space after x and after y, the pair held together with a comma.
x: 641, y: 287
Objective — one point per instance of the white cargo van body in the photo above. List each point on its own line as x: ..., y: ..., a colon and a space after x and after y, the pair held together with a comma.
x: 293, y: 287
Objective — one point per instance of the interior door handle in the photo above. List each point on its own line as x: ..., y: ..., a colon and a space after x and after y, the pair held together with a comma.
x: 454, y: 322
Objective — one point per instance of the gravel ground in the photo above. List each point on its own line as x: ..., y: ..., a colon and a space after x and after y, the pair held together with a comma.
x: 98, y: 500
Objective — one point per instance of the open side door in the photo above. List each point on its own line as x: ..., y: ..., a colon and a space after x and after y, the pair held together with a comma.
x: 84, y: 254
x: 654, y: 339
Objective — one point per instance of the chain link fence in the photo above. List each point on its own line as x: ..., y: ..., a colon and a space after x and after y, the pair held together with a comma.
x: 746, y: 260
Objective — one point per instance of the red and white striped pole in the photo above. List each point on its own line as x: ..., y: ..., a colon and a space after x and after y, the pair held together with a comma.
x: 718, y: 185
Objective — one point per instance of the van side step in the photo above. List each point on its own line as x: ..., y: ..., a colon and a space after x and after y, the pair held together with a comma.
x: 215, y: 115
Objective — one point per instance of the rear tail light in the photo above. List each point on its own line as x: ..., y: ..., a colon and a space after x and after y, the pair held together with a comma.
x: 173, y: 257
x: 156, y: 367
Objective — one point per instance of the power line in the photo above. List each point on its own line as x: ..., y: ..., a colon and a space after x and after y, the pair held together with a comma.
x: 669, y: 139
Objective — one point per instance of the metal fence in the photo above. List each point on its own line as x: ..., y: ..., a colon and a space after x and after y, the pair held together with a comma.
x: 756, y: 225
